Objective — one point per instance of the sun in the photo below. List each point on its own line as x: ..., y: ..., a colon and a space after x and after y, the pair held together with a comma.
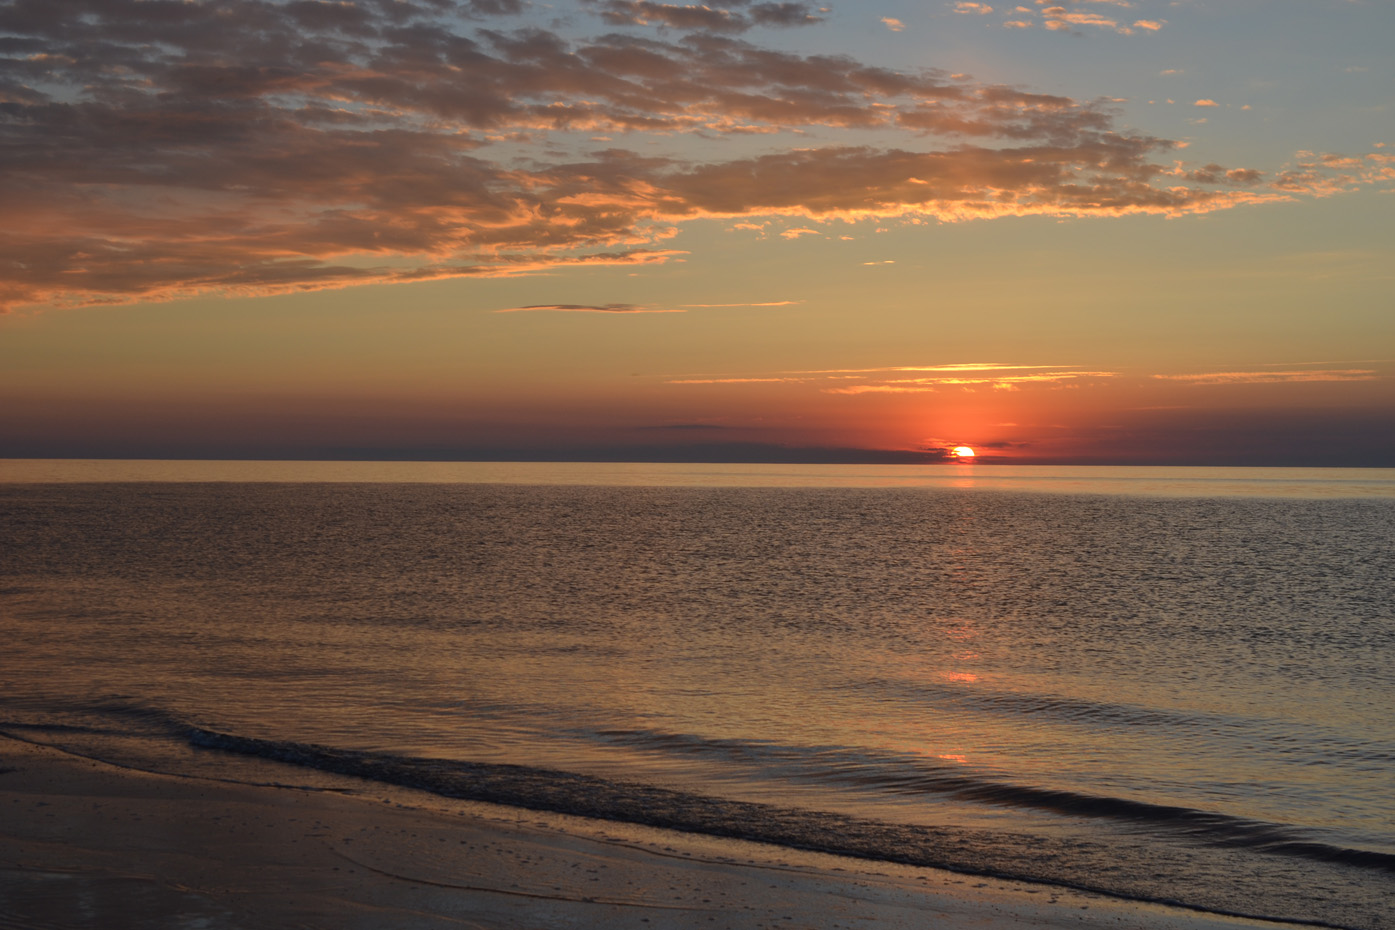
x: 962, y: 452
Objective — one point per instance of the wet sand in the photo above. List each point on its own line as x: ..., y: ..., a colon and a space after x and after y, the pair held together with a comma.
x: 88, y: 844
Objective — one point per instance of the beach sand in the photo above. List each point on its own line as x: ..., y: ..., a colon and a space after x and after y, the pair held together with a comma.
x: 88, y: 844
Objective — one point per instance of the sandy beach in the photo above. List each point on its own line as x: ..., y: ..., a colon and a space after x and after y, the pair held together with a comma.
x: 88, y: 844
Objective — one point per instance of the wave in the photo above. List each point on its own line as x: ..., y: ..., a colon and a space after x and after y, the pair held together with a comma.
x: 883, y: 773
x: 974, y: 852
x: 1256, y: 732
x: 56, y: 728
x: 904, y: 775
x: 107, y: 716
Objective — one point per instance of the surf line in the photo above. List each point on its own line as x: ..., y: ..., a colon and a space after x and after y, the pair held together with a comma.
x: 581, y: 795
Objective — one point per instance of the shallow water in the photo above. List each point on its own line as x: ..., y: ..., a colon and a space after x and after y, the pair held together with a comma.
x: 1176, y: 695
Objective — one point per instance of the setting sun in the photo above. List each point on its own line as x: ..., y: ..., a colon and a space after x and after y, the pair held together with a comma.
x: 962, y: 452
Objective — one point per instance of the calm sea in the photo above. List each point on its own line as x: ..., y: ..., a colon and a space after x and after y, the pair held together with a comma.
x: 1167, y: 684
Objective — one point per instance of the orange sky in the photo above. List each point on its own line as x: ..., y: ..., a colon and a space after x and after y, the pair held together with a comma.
x: 1092, y: 231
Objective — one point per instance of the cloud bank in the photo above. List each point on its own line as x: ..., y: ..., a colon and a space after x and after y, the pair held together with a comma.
x: 156, y: 149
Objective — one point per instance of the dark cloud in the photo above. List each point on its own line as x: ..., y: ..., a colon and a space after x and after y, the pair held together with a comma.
x: 728, y: 16
x: 645, y: 13
x: 494, y: 7
x: 784, y: 14
x: 937, y: 453
x: 986, y: 453
x: 152, y: 149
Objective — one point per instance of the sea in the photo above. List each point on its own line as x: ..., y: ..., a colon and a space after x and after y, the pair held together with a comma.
x: 1164, y: 684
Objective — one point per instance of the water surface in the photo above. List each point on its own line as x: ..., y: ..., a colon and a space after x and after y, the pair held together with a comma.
x: 1169, y: 684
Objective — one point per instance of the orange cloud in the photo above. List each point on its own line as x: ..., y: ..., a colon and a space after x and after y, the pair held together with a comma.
x: 587, y: 308
x: 1059, y: 17
x: 1327, y: 174
x: 768, y: 303
x: 997, y: 382
x: 1108, y: 176
x: 956, y: 367
x: 736, y: 381
x: 930, y: 378
x: 153, y: 151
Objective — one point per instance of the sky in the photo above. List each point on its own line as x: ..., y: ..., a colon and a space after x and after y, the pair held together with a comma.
x: 1088, y: 232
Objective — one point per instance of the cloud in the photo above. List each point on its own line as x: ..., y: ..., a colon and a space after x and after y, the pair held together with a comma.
x: 1108, y: 175
x: 970, y: 7
x: 955, y: 367
x: 735, y: 381
x: 701, y: 17
x: 1217, y: 174
x: 785, y: 14
x: 1274, y: 377
x: 638, y: 308
x: 768, y: 303
x: 151, y: 151
x: 1001, y: 382
x: 1323, y: 175
x: 1062, y: 18
x: 1206, y: 102
x: 942, y: 450
x: 587, y: 308
x: 927, y: 378
x: 1066, y: 17
x: 892, y: 23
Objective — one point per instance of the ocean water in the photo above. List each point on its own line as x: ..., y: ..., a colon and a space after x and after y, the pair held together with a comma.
x: 1165, y: 684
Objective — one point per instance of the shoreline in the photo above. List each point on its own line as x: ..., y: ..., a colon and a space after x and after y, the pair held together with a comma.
x: 86, y: 843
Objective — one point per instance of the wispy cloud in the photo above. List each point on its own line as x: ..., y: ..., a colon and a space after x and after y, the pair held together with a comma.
x: 735, y: 380
x: 587, y: 308
x: 150, y: 151
x: 929, y: 378
x: 1001, y: 382
x: 1274, y: 377
x: 972, y: 376
x: 639, y: 308
x: 955, y: 367
x: 767, y: 303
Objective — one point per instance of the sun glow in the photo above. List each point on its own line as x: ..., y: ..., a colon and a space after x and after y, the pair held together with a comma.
x: 962, y: 452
